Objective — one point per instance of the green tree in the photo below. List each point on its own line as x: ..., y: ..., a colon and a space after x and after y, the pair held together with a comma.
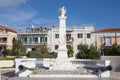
x: 87, y: 53
x: 40, y: 51
x: 70, y: 51
x: 118, y: 50
x: 107, y: 51
x: 113, y: 50
x: 83, y: 50
x: 38, y: 54
x: 18, y: 48
x: 42, y: 48
x: 93, y: 53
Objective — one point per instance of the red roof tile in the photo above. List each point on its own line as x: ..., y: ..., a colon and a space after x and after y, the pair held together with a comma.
x: 9, y: 29
x: 109, y: 30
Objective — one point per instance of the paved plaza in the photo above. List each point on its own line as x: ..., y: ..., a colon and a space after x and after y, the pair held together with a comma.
x: 62, y: 79
x: 10, y: 75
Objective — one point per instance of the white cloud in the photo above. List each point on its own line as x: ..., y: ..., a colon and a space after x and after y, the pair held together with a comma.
x: 11, y: 3
x: 13, y: 13
x: 18, y: 15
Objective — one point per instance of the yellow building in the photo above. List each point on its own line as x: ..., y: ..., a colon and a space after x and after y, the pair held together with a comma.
x: 6, y: 37
x: 106, y: 37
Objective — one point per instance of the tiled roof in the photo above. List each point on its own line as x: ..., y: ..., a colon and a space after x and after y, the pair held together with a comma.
x: 9, y: 29
x: 109, y: 30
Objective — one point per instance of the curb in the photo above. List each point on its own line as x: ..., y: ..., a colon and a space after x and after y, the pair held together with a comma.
x: 7, y: 69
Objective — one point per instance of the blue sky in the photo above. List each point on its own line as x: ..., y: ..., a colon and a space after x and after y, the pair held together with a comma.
x: 20, y: 14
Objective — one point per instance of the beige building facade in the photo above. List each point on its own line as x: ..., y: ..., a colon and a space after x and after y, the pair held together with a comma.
x: 105, y: 37
x: 6, y: 37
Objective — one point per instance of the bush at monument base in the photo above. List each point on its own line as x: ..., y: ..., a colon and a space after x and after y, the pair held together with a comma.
x: 38, y: 54
x: 86, y: 52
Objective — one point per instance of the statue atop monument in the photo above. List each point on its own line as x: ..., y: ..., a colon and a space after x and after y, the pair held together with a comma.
x: 62, y: 11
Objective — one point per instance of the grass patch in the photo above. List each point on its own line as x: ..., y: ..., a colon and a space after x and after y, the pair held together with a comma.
x: 7, y: 58
x: 6, y: 67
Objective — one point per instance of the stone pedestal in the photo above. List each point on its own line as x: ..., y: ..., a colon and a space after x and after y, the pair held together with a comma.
x: 62, y: 64
x: 62, y: 54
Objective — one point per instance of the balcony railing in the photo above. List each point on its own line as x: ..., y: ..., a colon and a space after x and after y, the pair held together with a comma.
x: 34, y: 43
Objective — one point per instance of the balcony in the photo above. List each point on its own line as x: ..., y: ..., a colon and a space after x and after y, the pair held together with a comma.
x: 69, y: 41
x: 3, y: 42
x: 3, y: 35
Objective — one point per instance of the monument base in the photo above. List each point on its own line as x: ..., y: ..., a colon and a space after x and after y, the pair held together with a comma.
x: 62, y: 64
x: 62, y: 61
x: 62, y: 53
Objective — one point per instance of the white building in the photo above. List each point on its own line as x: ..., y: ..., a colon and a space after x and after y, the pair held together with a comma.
x: 75, y: 36
x: 33, y: 36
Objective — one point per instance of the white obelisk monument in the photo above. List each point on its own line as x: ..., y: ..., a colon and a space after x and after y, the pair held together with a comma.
x: 62, y: 61
x: 62, y: 50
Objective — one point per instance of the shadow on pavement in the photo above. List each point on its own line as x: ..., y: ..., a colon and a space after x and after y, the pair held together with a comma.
x: 9, y: 74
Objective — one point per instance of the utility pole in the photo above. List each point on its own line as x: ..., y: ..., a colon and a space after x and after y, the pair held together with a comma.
x: 115, y: 38
x: 103, y: 46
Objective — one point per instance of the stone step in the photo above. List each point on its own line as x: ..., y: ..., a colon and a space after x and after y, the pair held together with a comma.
x: 62, y: 76
x: 53, y: 78
x: 80, y: 73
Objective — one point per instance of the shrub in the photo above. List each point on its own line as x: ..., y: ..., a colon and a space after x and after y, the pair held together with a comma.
x: 38, y: 54
x: 87, y: 53
x: 70, y: 51
x: 113, y: 50
x: 10, y: 53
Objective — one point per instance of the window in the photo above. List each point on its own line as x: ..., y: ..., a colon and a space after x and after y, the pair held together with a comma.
x: 88, y: 35
x: 25, y: 39
x: 45, y: 39
x: 41, y: 39
x: 30, y: 39
x: 100, y: 39
x: 56, y: 47
x: 36, y: 39
x: 108, y: 41
x: 68, y: 37
x: 56, y: 35
x: 80, y: 35
x: 4, y: 39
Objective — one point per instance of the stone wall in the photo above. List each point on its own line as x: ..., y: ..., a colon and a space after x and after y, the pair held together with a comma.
x: 6, y: 63
x: 115, y: 61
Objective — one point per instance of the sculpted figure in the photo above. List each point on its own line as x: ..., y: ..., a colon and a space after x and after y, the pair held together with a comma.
x: 62, y: 11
